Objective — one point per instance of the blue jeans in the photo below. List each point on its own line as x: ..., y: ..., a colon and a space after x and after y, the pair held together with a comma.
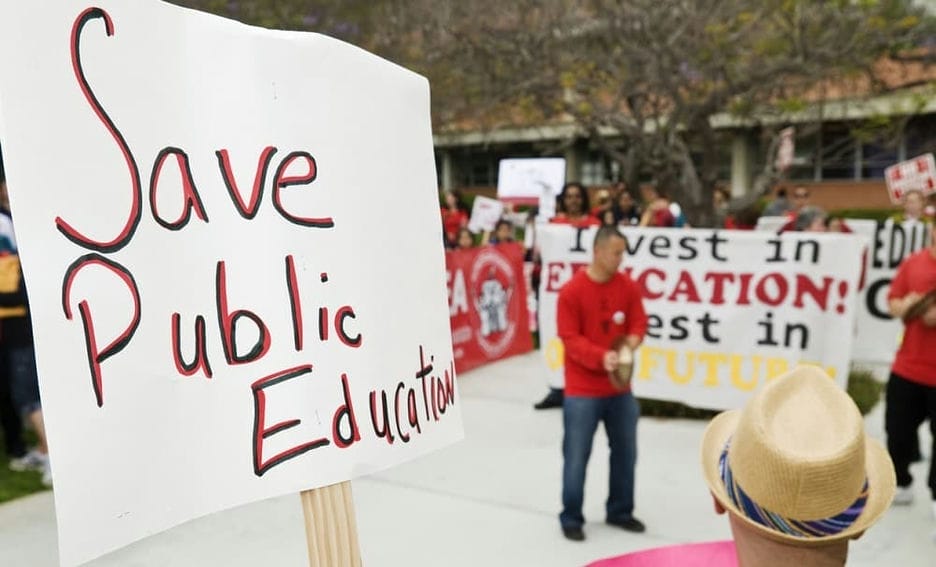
x: 24, y: 381
x: 580, y: 417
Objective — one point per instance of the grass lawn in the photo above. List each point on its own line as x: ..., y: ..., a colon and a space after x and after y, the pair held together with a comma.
x: 17, y: 484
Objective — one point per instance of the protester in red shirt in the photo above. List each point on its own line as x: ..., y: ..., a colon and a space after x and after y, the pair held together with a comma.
x: 911, y: 389
x: 572, y: 209
x: 454, y: 217
x: 598, y: 309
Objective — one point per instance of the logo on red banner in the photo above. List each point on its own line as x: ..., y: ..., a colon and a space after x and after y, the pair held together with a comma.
x: 487, y: 304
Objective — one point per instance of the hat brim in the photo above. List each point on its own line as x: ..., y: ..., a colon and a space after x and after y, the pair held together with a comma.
x: 880, y: 471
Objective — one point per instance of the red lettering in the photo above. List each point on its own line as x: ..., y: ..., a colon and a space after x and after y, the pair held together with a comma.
x: 247, y: 210
x: 718, y: 280
x: 133, y: 216
x: 685, y: 286
x: 227, y: 323
x: 281, y: 181
x: 805, y: 286
x: 189, y: 193
x: 642, y: 281
x: 200, y: 361
x: 345, y: 411
x: 97, y: 356
x: 781, y: 288
x: 261, y: 432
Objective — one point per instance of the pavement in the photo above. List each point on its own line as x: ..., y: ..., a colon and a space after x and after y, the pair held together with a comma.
x: 490, y: 500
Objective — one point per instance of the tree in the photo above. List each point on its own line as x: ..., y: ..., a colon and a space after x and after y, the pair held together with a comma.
x: 645, y: 78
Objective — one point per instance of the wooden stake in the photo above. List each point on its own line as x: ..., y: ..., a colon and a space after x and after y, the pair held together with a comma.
x: 331, y: 530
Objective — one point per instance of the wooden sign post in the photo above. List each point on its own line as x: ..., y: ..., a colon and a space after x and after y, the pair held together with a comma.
x: 331, y: 530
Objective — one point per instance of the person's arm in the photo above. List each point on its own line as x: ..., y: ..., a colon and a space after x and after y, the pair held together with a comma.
x: 569, y: 321
x: 637, y: 320
x: 900, y: 299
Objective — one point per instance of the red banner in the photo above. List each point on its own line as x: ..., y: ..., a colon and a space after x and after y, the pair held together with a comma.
x: 487, y: 304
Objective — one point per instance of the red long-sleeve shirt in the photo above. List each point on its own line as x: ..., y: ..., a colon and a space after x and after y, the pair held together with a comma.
x: 590, y: 317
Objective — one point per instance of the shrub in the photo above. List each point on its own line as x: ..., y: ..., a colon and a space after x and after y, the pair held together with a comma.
x: 863, y: 388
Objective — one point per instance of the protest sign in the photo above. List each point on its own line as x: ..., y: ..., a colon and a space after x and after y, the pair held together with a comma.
x: 878, y: 334
x: 206, y: 214
x: 531, y: 181
x: 487, y: 304
x: 917, y: 174
x: 485, y: 212
x: 728, y: 309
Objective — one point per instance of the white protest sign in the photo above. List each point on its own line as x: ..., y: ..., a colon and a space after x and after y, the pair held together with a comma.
x: 485, y: 212
x: 786, y: 149
x: 232, y: 245
x: 917, y: 174
x: 772, y: 224
x: 728, y: 309
x: 879, y: 334
x: 532, y: 181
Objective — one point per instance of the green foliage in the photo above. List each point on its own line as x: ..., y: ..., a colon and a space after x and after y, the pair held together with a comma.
x: 662, y: 408
x: 864, y: 388
x: 18, y: 484
x: 880, y: 215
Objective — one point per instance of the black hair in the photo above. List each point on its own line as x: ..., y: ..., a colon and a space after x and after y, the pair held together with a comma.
x: 607, y: 232
x: 560, y: 199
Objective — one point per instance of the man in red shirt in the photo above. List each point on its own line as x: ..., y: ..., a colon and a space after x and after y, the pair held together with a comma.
x: 599, y: 307
x: 911, y: 389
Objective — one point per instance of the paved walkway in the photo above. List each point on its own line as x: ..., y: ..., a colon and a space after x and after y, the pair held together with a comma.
x: 489, y: 500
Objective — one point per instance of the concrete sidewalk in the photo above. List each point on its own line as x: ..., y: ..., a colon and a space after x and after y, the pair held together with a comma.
x: 491, y: 500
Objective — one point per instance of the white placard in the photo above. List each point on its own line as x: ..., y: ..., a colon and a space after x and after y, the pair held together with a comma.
x: 917, y: 174
x: 879, y: 334
x: 772, y: 224
x: 243, y: 231
x: 532, y: 181
x: 485, y: 212
x: 728, y: 310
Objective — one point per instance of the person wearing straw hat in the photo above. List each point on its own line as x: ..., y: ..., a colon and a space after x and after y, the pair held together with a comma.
x: 795, y: 472
x: 601, y: 320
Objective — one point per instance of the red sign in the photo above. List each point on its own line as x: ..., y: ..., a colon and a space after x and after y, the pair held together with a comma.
x: 487, y: 304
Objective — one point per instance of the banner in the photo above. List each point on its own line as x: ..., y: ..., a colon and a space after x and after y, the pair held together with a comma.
x: 204, y: 212
x: 728, y: 309
x: 879, y: 334
x: 487, y: 304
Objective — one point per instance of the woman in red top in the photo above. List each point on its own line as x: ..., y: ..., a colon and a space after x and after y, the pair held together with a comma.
x: 454, y: 217
x: 572, y: 207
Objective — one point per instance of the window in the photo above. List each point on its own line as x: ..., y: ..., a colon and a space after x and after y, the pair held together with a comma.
x: 837, y: 156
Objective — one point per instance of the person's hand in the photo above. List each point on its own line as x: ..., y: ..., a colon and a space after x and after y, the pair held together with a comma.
x: 929, y: 316
x: 611, y: 361
x: 906, y: 302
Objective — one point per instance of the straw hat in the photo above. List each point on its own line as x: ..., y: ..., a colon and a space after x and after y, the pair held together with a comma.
x: 797, y: 462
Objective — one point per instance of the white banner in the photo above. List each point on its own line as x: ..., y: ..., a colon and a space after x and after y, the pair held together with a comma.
x: 879, y: 334
x: 232, y: 243
x: 728, y: 309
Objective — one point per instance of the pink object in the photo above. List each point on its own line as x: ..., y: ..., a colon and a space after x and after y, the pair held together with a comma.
x: 711, y: 554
